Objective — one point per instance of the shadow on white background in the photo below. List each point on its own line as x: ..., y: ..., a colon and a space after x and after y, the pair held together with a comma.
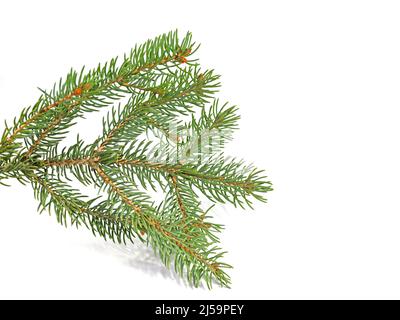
x: 139, y: 257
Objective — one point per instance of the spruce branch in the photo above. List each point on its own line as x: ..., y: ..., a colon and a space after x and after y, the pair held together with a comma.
x: 168, y: 136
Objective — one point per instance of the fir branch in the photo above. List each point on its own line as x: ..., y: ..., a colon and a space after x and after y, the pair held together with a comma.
x: 165, y: 89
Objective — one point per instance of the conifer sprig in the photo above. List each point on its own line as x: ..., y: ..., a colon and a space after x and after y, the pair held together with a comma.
x: 167, y: 136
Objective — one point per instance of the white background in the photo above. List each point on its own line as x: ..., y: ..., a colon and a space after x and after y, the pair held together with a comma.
x: 318, y: 85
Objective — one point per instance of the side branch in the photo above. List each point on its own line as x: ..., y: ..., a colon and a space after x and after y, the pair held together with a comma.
x: 156, y: 224
x: 174, y: 170
x: 122, y: 80
x: 151, y: 103
x: 178, y: 170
